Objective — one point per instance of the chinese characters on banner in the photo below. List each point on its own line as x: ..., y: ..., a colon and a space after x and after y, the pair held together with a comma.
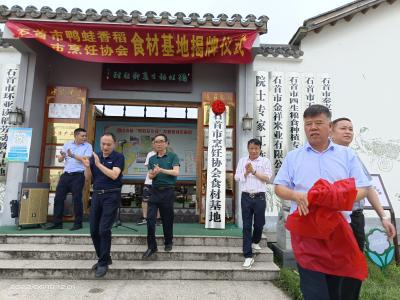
x: 276, y: 86
x: 294, y: 110
x: 7, y: 102
x: 113, y: 43
x: 309, y: 90
x: 326, y: 91
x: 215, y: 197
x: 262, y: 111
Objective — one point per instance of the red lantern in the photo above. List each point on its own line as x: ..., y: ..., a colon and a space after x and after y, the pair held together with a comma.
x: 218, y: 107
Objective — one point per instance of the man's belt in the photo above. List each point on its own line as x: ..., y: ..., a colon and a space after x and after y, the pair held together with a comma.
x: 164, y: 187
x: 73, y: 173
x: 254, y: 195
x: 101, y: 192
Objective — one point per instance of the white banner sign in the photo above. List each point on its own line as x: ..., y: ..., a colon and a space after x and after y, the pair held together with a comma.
x: 294, y: 110
x: 262, y: 112
x: 215, y: 197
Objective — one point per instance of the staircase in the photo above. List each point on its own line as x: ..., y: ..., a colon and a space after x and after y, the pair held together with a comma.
x: 68, y: 256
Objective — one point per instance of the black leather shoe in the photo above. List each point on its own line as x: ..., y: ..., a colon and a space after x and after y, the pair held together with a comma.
x: 109, y: 262
x: 149, y: 252
x: 101, y: 271
x: 54, y: 226
x: 76, y: 227
x: 168, y: 247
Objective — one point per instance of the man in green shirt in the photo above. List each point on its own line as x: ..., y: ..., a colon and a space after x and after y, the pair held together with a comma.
x: 163, y: 170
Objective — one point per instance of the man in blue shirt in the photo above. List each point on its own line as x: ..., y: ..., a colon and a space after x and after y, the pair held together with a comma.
x: 163, y: 170
x: 301, y: 168
x: 72, y: 180
x: 106, y: 169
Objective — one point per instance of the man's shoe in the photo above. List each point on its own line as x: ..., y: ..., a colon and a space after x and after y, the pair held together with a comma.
x: 256, y: 246
x: 101, y: 271
x: 109, y: 262
x: 76, y: 227
x: 142, y: 222
x: 248, y: 262
x: 168, y: 248
x: 54, y: 226
x: 149, y: 252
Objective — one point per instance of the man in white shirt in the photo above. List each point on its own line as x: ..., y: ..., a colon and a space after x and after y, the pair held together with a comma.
x: 253, y: 173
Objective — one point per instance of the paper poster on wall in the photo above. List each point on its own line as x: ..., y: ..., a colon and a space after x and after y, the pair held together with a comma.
x: 65, y: 110
x: 18, y: 144
x: 134, y: 141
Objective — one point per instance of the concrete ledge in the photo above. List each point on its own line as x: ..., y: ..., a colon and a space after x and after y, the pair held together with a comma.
x: 284, y: 257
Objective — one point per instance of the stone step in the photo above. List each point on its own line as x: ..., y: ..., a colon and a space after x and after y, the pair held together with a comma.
x: 84, y: 239
x: 138, y: 270
x: 127, y: 252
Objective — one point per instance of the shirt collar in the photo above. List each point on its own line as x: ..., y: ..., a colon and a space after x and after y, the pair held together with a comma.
x: 331, y: 146
x: 257, y: 159
x: 110, y: 156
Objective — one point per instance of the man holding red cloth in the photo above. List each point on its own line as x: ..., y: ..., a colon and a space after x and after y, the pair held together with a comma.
x: 323, y: 179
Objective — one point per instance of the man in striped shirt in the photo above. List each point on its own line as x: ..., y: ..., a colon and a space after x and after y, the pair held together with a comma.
x: 253, y: 173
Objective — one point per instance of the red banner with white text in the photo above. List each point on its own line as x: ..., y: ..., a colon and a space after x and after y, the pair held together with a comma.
x: 114, y: 43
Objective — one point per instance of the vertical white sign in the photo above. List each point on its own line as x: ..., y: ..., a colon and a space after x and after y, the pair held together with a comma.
x: 309, y: 90
x: 276, y: 88
x: 262, y: 112
x: 293, y: 87
x: 7, y: 102
x: 215, y: 197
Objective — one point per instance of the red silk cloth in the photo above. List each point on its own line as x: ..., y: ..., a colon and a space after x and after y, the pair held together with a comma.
x: 115, y: 43
x: 322, y: 240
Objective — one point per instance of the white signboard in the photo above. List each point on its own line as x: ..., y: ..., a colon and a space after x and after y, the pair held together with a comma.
x: 18, y: 144
x: 377, y: 183
x: 64, y: 110
x: 215, y: 192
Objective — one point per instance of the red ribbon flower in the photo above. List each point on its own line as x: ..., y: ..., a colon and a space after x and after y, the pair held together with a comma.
x: 218, y: 107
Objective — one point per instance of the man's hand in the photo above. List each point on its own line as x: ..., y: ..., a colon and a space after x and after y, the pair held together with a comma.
x: 302, y: 203
x: 156, y: 170
x: 86, y: 161
x: 69, y: 153
x: 249, y: 168
x: 389, y: 228
x: 96, y: 159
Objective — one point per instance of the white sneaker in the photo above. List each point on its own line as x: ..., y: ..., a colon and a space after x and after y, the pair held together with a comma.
x: 255, y: 246
x: 248, y: 262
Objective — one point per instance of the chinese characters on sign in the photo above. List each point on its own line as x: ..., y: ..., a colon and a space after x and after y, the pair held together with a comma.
x: 147, y: 77
x: 215, y: 192
x: 309, y: 90
x: 277, y: 119
x: 262, y: 111
x: 326, y: 91
x: 294, y: 111
x: 115, y: 43
x: 7, y: 102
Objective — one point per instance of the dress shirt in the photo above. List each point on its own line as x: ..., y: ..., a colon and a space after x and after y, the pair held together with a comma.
x: 302, y: 167
x: 250, y: 183
x: 72, y: 164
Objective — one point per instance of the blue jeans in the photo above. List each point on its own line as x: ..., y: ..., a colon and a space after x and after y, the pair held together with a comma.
x: 252, y: 207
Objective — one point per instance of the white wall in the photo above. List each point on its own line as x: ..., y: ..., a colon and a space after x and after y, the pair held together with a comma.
x: 362, y: 58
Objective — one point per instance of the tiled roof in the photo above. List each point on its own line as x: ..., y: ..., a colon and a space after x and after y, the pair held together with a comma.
x: 276, y: 50
x: 134, y: 17
x: 331, y: 17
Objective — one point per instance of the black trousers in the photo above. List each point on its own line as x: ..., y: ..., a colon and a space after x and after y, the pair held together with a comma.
x: 103, y: 212
x: 252, y: 207
x: 164, y: 201
x: 319, y: 286
x: 69, y: 183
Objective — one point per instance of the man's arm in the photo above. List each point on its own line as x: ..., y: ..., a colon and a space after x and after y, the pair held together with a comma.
x: 373, y: 198
x: 111, y: 173
x: 361, y: 193
x: 288, y: 194
x: 173, y: 172
x: 88, y: 172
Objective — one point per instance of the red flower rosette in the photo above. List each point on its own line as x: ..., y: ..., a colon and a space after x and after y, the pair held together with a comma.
x: 218, y: 107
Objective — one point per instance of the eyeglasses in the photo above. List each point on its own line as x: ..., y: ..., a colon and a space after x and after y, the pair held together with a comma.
x: 159, y: 142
